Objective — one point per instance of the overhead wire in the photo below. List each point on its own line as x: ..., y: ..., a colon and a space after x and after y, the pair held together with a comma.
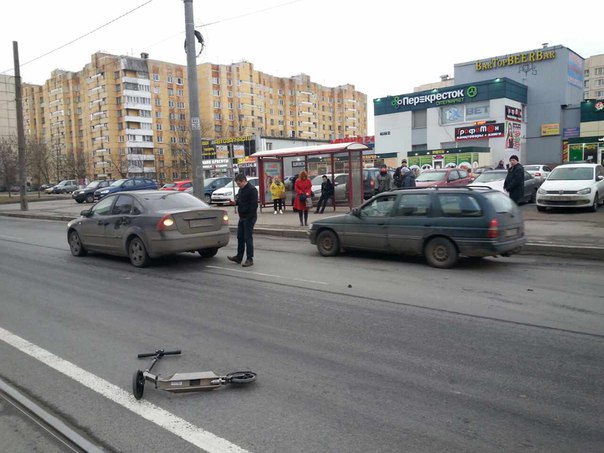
x: 82, y: 36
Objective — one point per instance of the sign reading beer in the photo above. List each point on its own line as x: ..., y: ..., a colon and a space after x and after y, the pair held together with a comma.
x: 478, y: 132
x: 511, y: 60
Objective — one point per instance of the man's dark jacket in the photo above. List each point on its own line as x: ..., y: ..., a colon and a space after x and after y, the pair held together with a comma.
x: 514, y: 182
x: 247, y: 201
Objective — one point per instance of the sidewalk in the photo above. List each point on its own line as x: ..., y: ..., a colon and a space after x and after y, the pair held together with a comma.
x: 578, y: 234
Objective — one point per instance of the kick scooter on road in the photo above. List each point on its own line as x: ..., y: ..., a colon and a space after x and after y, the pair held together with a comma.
x: 184, y: 382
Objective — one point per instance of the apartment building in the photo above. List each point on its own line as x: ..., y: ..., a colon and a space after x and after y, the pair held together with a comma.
x: 8, y: 110
x: 593, y: 78
x: 126, y: 116
x: 238, y: 100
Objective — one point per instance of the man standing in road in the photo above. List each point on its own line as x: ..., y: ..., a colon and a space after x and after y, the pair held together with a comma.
x: 247, y: 206
x: 514, y: 181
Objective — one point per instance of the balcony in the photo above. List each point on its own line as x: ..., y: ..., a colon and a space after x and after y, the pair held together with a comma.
x: 140, y: 132
x: 137, y: 106
x: 136, y: 144
x: 138, y: 119
x: 140, y: 157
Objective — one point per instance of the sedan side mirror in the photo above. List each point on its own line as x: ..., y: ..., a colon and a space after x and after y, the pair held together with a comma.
x: 599, y: 178
x: 86, y: 213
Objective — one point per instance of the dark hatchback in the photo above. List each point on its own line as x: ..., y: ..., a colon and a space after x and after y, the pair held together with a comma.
x: 87, y: 193
x: 125, y: 185
x: 440, y: 224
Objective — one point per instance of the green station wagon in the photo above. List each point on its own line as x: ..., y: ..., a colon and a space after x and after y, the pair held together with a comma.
x: 441, y: 224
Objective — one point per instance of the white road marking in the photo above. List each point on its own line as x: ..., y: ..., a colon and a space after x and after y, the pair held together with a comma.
x: 280, y: 277
x: 193, y: 434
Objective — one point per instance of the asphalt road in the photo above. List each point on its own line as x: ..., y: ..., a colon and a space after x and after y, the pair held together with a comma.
x: 355, y: 353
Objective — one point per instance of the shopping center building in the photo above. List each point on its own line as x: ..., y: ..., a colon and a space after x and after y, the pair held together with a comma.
x: 522, y: 103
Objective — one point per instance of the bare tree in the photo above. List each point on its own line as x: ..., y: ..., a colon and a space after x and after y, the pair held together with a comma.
x: 8, y: 161
x: 39, y: 160
x: 77, y: 165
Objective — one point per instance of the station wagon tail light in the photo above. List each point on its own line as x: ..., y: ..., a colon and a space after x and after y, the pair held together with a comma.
x: 225, y: 218
x: 493, y: 231
x: 537, y: 173
x: 166, y: 223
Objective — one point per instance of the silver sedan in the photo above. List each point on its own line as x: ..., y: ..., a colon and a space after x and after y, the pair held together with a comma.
x: 149, y: 223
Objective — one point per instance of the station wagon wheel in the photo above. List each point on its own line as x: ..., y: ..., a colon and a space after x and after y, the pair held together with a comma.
x: 138, y: 384
x: 207, y: 253
x: 75, y: 244
x: 241, y: 377
x: 138, y: 253
x: 328, y: 243
x: 90, y: 198
x: 440, y: 252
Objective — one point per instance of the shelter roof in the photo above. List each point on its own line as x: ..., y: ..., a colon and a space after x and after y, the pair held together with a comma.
x: 331, y: 148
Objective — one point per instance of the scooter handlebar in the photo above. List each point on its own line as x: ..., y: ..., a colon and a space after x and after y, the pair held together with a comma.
x: 159, y: 353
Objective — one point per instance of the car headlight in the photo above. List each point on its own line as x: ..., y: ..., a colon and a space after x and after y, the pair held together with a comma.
x: 542, y: 191
x: 104, y: 191
x: 228, y: 194
x: 584, y: 191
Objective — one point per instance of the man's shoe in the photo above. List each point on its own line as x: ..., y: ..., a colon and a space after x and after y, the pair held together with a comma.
x: 248, y: 263
x: 234, y: 259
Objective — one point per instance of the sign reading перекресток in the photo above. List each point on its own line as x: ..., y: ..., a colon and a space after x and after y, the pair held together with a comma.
x: 479, y: 91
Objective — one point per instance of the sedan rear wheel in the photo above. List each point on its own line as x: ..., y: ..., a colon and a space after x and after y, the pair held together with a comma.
x: 138, y: 253
x: 207, y: 253
x: 75, y: 244
x: 441, y: 252
x: 328, y: 243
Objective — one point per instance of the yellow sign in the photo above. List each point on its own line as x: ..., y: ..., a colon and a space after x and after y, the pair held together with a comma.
x: 550, y: 129
x: 511, y: 60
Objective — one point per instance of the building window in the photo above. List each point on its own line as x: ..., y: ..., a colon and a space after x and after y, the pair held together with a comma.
x: 420, y: 119
x: 156, y: 77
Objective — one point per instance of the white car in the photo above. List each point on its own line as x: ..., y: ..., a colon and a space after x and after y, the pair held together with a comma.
x: 226, y: 194
x: 572, y: 186
x: 538, y: 171
x: 340, y: 181
x: 496, y: 178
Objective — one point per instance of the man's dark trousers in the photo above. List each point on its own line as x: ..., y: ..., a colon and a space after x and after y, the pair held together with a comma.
x: 245, y: 241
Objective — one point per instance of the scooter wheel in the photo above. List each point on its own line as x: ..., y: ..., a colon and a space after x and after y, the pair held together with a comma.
x: 241, y: 377
x: 138, y: 384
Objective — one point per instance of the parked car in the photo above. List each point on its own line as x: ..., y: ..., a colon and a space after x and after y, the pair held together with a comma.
x: 572, y: 186
x: 87, y: 193
x: 128, y: 184
x: 44, y: 187
x: 226, y: 194
x: 65, y: 186
x: 149, y: 223
x: 340, y: 183
x: 289, y: 182
x: 212, y: 184
x: 495, y: 179
x: 180, y: 186
x: 446, y: 177
x: 439, y: 223
x: 540, y: 172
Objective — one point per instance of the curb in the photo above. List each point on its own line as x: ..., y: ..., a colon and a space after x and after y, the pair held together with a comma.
x: 531, y: 248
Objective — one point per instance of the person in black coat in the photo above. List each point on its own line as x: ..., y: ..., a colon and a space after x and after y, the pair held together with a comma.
x: 247, y: 207
x: 326, y: 194
x: 514, y: 181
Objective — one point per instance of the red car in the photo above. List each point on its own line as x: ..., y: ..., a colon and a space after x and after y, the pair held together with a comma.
x: 180, y: 186
x: 446, y: 177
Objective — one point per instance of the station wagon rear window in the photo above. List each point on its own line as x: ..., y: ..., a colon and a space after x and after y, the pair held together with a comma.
x: 459, y: 205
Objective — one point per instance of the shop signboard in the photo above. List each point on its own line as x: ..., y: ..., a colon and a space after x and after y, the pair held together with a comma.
x: 550, y: 129
x: 477, y: 132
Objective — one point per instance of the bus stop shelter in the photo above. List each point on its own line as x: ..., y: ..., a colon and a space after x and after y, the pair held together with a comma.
x: 270, y: 163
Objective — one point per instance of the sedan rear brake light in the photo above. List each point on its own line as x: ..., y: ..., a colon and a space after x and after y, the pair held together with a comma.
x: 493, y: 231
x: 166, y: 223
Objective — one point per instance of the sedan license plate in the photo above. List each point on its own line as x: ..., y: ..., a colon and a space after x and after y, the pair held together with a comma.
x: 200, y: 223
x: 511, y: 232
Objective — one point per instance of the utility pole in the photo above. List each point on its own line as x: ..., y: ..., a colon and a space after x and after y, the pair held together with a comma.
x: 20, y: 132
x: 197, y: 162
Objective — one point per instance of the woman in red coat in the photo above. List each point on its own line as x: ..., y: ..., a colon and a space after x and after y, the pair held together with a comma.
x: 302, y: 187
